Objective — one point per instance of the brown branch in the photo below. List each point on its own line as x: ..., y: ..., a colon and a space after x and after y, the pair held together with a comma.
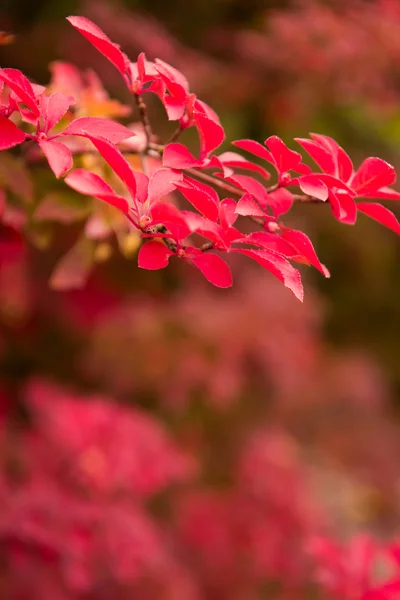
x: 144, y: 118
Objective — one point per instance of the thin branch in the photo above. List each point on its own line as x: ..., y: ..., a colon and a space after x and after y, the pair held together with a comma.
x: 144, y: 118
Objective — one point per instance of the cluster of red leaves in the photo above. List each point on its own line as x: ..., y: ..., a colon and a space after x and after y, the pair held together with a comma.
x: 144, y: 199
x: 333, y: 51
x: 77, y: 492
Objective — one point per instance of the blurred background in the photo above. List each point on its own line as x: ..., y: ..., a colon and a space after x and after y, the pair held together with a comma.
x: 160, y: 438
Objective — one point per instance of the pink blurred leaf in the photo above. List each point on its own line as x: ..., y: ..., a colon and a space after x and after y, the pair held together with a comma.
x: 10, y: 134
x: 214, y: 269
x: 74, y: 268
x: 154, y: 255
x: 100, y: 41
x: 58, y: 155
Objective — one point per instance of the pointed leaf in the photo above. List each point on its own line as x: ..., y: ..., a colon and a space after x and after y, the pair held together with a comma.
x: 99, y: 127
x: 214, y: 269
x: 154, y: 255
x: 279, y: 267
x: 100, y: 41
x: 319, y: 154
x: 373, y: 174
x: 280, y: 201
x: 177, y: 156
x: 162, y: 183
x: 252, y: 187
x: 305, y: 248
x: 248, y: 207
x: 168, y: 215
x: 201, y: 196
x: 343, y: 207
x: 381, y: 214
x: 22, y: 87
x: 343, y: 166
x: 90, y: 184
x: 233, y: 159
x: 117, y: 162
x: 285, y: 158
x: 58, y: 155
x: 53, y: 108
x: 313, y: 186
x: 255, y: 148
x: 10, y: 134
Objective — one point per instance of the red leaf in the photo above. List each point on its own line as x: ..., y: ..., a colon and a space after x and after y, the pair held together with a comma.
x: 381, y: 214
x: 281, y: 201
x: 280, y: 267
x: 319, y: 154
x: 99, y: 127
x: 10, y: 134
x: 255, y: 148
x: 154, y: 255
x: 203, y: 197
x: 53, y: 108
x: 271, y: 241
x: 247, y: 207
x: 373, y: 174
x: 343, y: 207
x: 171, y: 74
x: 214, y: 269
x: 90, y: 184
x: 343, y: 166
x: 384, y: 192
x: 227, y: 212
x: 22, y: 87
x: 100, y: 41
x: 162, y: 183
x: 205, y: 227
x: 210, y: 129
x: 313, y: 186
x: 251, y: 186
x: 58, y: 156
x: 285, y: 159
x: 117, y: 162
x: 177, y: 156
x: 233, y: 159
x: 305, y: 248
x: 167, y: 214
